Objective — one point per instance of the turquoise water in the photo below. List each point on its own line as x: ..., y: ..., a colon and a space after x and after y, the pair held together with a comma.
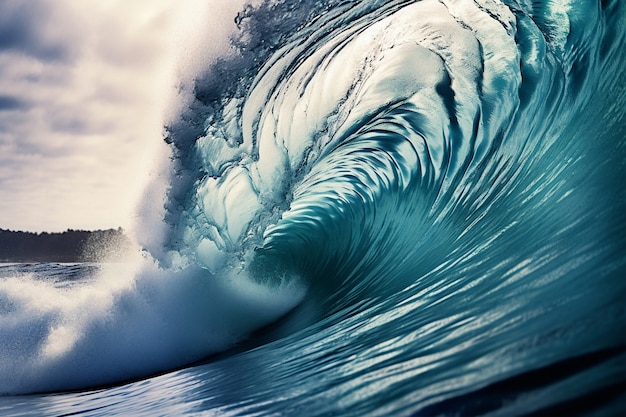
x: 379, y: 208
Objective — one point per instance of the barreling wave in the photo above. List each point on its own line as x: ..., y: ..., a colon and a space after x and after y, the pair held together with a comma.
x: 427, y: 192
x: 379, y: 133
x: 443, y: 178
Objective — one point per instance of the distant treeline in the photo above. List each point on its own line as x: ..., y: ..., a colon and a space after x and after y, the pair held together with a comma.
x: 69, y: 246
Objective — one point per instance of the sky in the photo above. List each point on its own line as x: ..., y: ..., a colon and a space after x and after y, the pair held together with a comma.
x: 86, y: 87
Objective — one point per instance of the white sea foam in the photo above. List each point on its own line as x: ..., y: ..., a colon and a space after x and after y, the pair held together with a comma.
x: 132, y: 320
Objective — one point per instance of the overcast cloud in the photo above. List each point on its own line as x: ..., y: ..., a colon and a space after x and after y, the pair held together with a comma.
x: 84, y: 86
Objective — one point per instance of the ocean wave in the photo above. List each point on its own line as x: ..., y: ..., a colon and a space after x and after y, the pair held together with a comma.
x: 427, y: 192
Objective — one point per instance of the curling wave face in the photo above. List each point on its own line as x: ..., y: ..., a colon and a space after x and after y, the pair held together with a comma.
x: 382, y: 133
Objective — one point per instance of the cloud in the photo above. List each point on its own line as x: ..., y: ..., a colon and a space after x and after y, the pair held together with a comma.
x: 85, y: 90
x: 8, y: 103
x: 33, y: 28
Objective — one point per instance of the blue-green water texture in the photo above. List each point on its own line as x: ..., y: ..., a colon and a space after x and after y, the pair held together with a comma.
x: 372, y: 208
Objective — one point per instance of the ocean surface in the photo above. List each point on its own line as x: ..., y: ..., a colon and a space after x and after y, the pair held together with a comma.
x: 372, y: 208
